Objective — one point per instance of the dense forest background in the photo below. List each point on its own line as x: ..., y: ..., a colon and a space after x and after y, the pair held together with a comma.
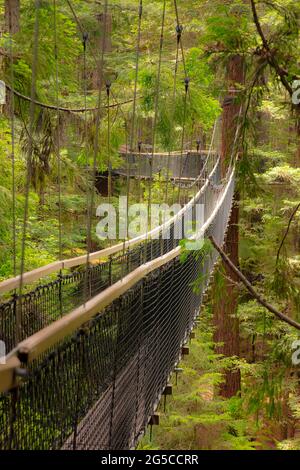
x: 239, y: 389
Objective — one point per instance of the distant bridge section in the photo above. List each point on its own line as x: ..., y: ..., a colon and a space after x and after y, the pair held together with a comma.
x: 185, y: 166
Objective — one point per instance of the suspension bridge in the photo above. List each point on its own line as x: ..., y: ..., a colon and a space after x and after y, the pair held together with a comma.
x: 143, y: 164
x: 91, y: 349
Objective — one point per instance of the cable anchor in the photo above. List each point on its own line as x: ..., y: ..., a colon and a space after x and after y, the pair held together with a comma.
x: 108, y: 86
x: 179, y: 30
x: 85, y: 38
x: 186, y: 83
x: 140, y: 10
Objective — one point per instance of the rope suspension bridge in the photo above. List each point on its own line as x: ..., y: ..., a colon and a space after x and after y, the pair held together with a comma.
x: 90, y: 352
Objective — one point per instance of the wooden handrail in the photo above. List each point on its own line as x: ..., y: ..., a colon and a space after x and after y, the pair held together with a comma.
x: 36, y: 274
x: 8, y: 373
x: 40, y: 342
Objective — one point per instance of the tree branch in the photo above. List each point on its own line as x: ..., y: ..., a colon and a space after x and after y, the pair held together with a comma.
x: 270, y: 56
x: 287, y: 232
x: 249, y: 287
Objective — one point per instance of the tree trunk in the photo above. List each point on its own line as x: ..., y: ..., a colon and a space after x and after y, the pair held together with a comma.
x: 224, y: 309
x: 104, y: 28
x: 11, y: 26
x: 231, y: 108
x: 12, y: 16
x: 225, y: 305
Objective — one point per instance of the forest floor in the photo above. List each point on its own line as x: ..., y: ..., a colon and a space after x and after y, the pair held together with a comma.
x: 195, y: 418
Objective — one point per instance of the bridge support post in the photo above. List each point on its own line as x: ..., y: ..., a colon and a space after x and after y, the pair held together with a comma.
x: 168, y: 391
x: 185, y: 350
x: 177, y: 370
x: 154, y: 421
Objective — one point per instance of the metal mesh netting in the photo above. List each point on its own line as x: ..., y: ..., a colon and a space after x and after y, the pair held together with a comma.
x: 48, y: 302
x: 186, y: 167
x: 98, y: 389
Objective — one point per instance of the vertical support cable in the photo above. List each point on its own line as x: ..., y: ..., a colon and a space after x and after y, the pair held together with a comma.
x: 57, y: 150
x: 29, y: 165
x: 140, y: 345
x: 79, y: 379
x: 12, y: 126
x: 179, y: 30
x: 96, y: 140
x: 132, y: 133
x: 127, y: 192
x: 100, y: 68
x: 137, y: 57
x: 186, y: 86
x: 58, y: 130
x: 14, y: 396
x: 85, y: 38
x: 140, y: 171
x: 109, y: 182
x: 180, y: 39
x: 115, y: 365
x: 155, y: 118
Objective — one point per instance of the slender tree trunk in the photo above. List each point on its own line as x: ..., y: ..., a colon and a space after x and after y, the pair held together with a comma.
x: 231, y: 108
x: 225, y: 304
x: 12, y: 16
x: 224, y: 309
x: 104, y: 27
x: 11, y: 26
x: 297, y: 155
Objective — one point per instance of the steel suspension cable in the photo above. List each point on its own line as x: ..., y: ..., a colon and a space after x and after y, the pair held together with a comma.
x: 96, y: 140
x: 109, y: 167
x: 61, y: 108
x: 185, y: 71
x: 186, y: 88
x: 180, y: 40
x: 117, y: 104
x: 99, y: 102
x: 132, y: 131
x: 178, y: 35
x: 29, y: 160
x: 58, y: 130
x: 204, y: 168
x: 156, y: 114
x: 127, y: 191
x: 140, y: 171
x: 100, y: 67
x: 86, y: 146
x: 137, y: 58
x: 12, y: 127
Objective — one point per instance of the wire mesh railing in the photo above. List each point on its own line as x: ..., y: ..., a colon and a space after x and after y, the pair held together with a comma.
x: 142, y: 165
x: 97, y: 388
x: 23, y: 315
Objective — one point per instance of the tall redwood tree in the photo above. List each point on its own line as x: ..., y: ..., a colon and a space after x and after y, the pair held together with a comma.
x: 225, y: 303
x: 12, y: 16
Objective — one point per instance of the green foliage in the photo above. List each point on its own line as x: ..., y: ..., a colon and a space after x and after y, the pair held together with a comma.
x: 268, y: 177
x: 195, y: 417
x: 229, y: 25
